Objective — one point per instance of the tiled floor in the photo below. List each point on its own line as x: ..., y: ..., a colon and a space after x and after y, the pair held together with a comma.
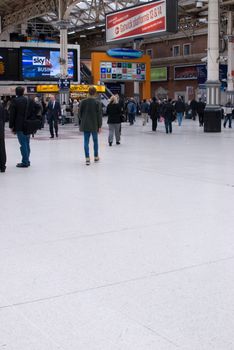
x: 133, y: 253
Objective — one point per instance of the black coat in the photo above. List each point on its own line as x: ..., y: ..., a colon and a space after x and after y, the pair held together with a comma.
x: 53, y: 113
x: 169, y: 111
x: 201, y: 107
x: 154, y: 110
x: 2, y: 122
x: 179, y: 106
x: 114, y: 113
x: 18, y: 112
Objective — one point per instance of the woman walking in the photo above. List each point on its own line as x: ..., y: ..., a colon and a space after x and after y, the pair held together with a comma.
x: 114, y: 120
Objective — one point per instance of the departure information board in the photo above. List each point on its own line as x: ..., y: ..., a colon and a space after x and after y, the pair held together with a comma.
x: 122, y: 71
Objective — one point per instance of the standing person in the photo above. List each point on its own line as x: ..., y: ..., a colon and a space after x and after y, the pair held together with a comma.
x: 131, y: 107
x: 21, y: 108
x: 75, y: 112
x: 200, y: 110
x: 228, y: 117
x: 114, y: 120
x: 90, y: 114
x: 144, y: 111
x: 193, y: 107
x: 53, y: 113
x: 64, y: 112
x: 2, y: 140
x: 180, y: 109
x: 154, y: 113
x: 169, y: 115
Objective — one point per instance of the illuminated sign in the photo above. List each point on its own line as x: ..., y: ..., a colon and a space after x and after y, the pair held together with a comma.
x: 117, y: 71
x: 158, y: 74
x: 149, y: 19
x: 85, y: 88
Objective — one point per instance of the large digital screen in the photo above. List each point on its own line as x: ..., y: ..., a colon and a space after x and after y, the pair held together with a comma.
x: 153, y: 18
x: 122, y: 71
x: 43, y: 64
x: 9, y: 63
x: 158, y: 74
x: 185, y: 72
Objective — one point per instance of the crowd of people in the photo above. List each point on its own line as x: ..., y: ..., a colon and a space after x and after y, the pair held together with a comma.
x: 27, y: 115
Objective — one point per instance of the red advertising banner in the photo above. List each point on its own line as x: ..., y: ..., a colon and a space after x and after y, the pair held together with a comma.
x: 139, y: 21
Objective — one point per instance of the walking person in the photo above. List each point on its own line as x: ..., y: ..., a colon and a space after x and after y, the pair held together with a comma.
x: 90, y: 115
x: 200, y: 110
x: 75, y: 112
x: 154, y: 113
x: 131, y: 107
x: 144, y: 111
x: 169, y: 115
x: 180, y: 109
x: 2, y: 140
x: 21, y: 109
x: 53, y: 114
x: 228, y: 117
x: 193, y: 107
x: 114, y: 120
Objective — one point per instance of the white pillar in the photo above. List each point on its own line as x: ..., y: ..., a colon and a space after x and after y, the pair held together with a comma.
x: 63, y: 50
x: 212, y: 118
x: 230, y: 80
x: 213, y: 84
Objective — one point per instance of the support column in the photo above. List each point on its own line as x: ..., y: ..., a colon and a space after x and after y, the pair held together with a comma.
x: 212, y: 118
x: 230, y: 77
x: 63, y: 26
x: 136, y: 83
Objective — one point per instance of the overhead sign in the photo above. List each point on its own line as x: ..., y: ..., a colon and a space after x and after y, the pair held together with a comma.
x: 125, y: 53
x: 85, y: 88
x: 64, y: 84
x: 47, y: 88
x: 154, y: 18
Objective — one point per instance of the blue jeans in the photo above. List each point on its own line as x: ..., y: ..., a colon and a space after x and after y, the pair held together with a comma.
x: 24, y: 141
x: 179, y: 117
x: 86, y: 143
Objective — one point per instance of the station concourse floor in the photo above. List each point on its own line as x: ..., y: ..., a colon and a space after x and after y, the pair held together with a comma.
x: 133, y: 253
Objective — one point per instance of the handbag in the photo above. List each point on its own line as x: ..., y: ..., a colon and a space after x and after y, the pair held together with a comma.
x: 32, y: 122
x: 123, y: 118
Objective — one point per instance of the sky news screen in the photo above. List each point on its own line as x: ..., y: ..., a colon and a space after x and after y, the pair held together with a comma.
x: 43, y: 64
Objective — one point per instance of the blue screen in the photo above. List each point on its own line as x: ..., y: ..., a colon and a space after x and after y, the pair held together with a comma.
x: 43, y: 64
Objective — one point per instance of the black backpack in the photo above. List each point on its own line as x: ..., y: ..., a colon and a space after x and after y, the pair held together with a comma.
x: 33, y: 121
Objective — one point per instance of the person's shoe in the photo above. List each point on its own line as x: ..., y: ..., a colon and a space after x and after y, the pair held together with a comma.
x: 56, y: 135
x: 118, y: 143
x: 51, y: 137
x: 2, y: 170
x: 110, y: 144
x: 87, y: 162
x: 96, y: 159
x: 21, y: 165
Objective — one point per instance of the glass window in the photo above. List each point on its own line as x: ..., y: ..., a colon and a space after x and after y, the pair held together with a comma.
x: 187, y: 49
x: 176, y: 50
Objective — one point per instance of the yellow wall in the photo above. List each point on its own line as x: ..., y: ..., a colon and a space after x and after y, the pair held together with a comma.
x: 98, y: 57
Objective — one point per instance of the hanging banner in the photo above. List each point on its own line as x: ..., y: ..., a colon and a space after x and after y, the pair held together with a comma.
x: 151, y: 19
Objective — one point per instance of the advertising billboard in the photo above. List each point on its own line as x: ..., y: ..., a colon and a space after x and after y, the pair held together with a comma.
x: 9, y: 63
x: 185, y: 72
x: 150, y: 19
x: 122, y: 71
x: 43, y: 64
x: 158, y: 74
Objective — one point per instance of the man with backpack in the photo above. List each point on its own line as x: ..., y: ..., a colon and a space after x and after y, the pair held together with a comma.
x: 22, y: 110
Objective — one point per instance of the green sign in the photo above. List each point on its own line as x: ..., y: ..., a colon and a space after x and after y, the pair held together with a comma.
x: 158, y: 74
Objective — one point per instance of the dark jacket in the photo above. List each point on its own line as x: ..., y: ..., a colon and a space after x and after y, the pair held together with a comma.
x: 90, y: 114
x: 114, y: 113
x: 144, y: 107
x: 18, y: 112
x: 193, y: 105
x: 169, y: 111
x: 179, y: 106
x: 53, y: 113
x: 154, y: 110
x: 2, y: 122
x: 201, y: 107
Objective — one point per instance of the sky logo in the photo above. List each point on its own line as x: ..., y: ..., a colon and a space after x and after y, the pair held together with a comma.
x: 39, y: 61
